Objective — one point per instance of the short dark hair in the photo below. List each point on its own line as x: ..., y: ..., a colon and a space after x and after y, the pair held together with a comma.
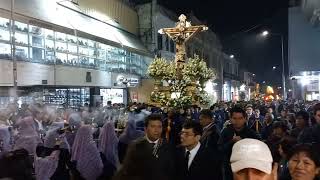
x: 287, y: 143
x: 237, y: 109
x: 304, y: 115
x: 152, y: 117
x: 311, y: 151
x: 195, y: 126
x: 281, y: 125
x: 207, y: 113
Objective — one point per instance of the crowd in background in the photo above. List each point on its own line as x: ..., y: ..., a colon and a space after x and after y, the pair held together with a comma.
x: 225, y: 141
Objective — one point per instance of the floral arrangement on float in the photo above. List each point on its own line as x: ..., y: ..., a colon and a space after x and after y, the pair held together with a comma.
x: 189, y: 83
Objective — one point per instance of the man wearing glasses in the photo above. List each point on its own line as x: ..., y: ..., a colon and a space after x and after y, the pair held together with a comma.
x: 194, y: 160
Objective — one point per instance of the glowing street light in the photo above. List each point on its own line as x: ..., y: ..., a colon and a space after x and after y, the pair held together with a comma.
x: 265, y: 33
x: 274, y: 67
x: 231, y: 56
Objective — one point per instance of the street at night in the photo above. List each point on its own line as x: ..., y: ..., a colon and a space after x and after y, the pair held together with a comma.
x: 159, y: 90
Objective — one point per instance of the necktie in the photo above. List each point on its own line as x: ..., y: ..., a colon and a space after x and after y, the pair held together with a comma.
x: 187, y: 159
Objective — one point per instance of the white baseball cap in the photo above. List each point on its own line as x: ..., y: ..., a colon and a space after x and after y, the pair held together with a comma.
x: 251, y: 153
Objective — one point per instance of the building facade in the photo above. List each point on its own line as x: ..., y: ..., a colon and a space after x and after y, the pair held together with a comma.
x: 70, y: 53
x: 304, y: 54
x: 231, y: 79
x: 153, y: 16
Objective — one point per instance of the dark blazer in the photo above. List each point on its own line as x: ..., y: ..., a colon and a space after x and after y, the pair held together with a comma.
x: 206, y: 165
x: 210, y: 137
x: 141, y: 164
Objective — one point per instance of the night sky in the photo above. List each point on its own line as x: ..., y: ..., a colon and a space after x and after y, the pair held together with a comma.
x: 232, y: 19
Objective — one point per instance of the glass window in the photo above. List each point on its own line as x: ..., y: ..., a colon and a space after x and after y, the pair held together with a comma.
x: 36, y: 41
x: 72, y: 39
x: 36, y: 54
x: 113, y: 67
x: 49, y: 45
x: 91, y: 43
x: 34, y: 30
x: 49, y: 34
x: 82, y: 42
x: 4, y: 23
x: 21, y: 27
x: 159, y: 41
x: 61, y: 46
x: 167, y: 43
x: 72, y: 48
x: 50, y: 56
x: 21, y: 39
x: 61, y: 58
x: 61, y: 37
x: 21, y: 53
x: 101, y: 54
x: 5, y: 51
x: 4, y: 35
x: 122, y: 68
x: 92, y: 62
x: 72, y: 59
x: 92, y: 52
x: 84, y: 61
x: 172, y: 46
x: 83, y: 51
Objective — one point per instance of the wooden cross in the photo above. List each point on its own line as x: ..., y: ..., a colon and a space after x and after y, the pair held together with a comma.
x: 180, y: 34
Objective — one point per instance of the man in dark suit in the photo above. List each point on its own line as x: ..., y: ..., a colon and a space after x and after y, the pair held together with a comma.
x: 149, y: 158
x: 194, y: 160
x: 233, y: 133
x: 210, y: 135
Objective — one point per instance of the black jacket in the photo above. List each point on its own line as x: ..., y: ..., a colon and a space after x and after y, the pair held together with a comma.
x: 141, y: 164
x: 206, y: 165
x: 210, y: 137
x: 316, y: 134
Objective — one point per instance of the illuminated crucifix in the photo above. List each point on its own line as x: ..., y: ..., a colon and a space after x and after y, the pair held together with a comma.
x: 180, y: 35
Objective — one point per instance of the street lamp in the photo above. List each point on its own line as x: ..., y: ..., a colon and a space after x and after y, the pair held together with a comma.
x: 274, y: 67
x: 231, y: 56
x: 266, y: 33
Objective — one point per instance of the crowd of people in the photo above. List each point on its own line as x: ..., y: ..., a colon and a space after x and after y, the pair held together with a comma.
x: 278, y: 140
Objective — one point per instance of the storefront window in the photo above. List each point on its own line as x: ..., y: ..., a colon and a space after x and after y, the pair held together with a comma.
x: 36, y: 54
x: 4, y: 23
x: 61, y: 47
x: 21, y: 38
x: 83, y: 51
x: 91, y: 52
x: 50, y: 56
x: 113, y: 95
x: 83, y: 42
x: 60, y: 37
x: 72, y: 48
x: 61, y: 58
x: 72, y: 40
x: 5, y: 51
x: 83, y: 61
x: 21, y: 27
x: 4, y: 35
x: 92, y: 63
x: 21, y: 53
x: 72, y: 60
x: 91, y: 43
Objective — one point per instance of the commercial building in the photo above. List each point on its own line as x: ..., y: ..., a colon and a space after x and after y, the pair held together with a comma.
x: 304, y: 54
x: 70, y: 52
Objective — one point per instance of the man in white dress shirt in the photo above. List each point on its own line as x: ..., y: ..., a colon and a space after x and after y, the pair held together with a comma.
x: 194, y: 160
